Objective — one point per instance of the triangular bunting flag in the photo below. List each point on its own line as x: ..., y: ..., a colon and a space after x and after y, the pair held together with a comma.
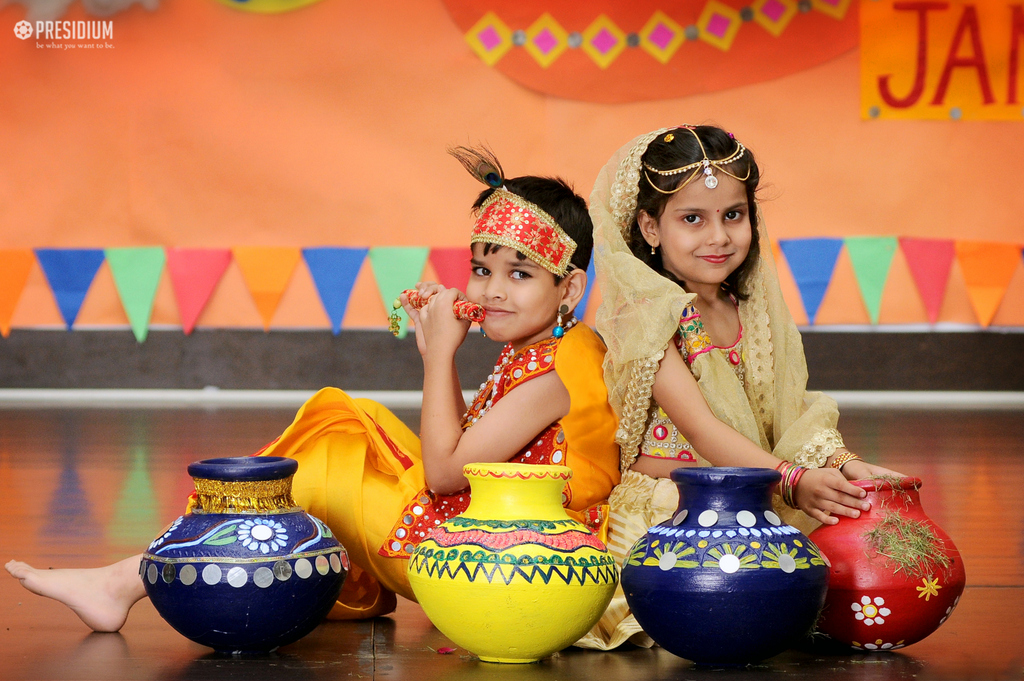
x: 929, y: 261
x: 988, y: 268
x: 452, y: 266
x: 397, y: 268
x: 267, y: 271
x: 811, y: 262
x: 195, y: 273
x: 581, y: 309
x: 871, y: 257
x: 69, y: 272
x: 334, y: 272
x: 137, y: 274
x: 15, y: 266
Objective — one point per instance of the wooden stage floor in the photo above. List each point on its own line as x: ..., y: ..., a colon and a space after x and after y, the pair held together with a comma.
x: 82, y: 487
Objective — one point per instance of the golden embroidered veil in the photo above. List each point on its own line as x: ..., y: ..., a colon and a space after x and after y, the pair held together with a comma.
x: 640, y: 313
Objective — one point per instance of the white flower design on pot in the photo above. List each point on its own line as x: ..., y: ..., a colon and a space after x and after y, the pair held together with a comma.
x: 949, y: 610
x: 870, y: 611
x: 878, y: 645
x: 262, y: 535
x: 162, y: 538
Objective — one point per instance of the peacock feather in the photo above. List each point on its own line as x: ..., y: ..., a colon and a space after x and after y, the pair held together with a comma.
x: 481, y: 164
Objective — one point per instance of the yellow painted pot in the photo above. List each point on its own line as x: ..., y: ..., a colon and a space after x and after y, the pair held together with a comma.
x: 514, y: 578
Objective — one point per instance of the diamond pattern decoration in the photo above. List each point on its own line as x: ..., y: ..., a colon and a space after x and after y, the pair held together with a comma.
x: 490, y: 38
x: 834, y: 8
x: 546, y: 40
x: 718, y: 25
x: 603, y: 41
x: 661, y: 37
x: 774, y: 15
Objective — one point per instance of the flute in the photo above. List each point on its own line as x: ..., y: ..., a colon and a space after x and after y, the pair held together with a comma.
x: 462, y: 309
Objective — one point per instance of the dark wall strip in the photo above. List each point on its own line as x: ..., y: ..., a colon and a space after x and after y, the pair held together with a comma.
x: 374, y: 360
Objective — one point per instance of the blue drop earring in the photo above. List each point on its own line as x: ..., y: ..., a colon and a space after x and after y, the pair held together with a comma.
x: 559, y: 329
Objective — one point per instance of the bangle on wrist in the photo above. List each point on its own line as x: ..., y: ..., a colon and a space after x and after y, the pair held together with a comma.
x: 842, y: 459
x: 791, y: 474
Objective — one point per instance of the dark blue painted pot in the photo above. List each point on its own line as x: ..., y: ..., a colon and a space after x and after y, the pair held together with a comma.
x: 245, y: 570
x: 725, y: 581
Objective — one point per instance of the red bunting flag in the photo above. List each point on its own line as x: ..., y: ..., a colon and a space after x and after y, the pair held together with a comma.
x: 929, y: 261
x: 452, y: 266
x: 195, y: 273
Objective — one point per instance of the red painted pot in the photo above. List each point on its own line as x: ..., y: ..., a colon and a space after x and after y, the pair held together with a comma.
x: 873, y: 603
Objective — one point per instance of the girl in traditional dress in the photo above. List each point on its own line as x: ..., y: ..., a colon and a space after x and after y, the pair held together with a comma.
x: 379, y: 487
x: 705, y: 365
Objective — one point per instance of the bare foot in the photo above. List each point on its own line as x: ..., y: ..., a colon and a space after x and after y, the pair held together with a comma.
x: 101, y: 597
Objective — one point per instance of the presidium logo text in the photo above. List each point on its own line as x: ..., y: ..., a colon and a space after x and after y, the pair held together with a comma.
x: 66, y: 30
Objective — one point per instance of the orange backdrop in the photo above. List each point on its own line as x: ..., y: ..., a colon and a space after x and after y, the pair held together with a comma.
x: 204, y: 126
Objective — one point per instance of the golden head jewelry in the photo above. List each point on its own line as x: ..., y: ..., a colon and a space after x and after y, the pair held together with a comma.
x: 706, y: 164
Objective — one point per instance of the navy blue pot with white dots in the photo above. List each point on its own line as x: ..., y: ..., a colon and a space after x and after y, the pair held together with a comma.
x: 245, y: 570
x: 725, y: 581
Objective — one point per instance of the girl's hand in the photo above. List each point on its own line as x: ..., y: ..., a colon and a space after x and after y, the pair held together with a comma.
x: 824, y: 493
x: 861, y: 470
x: 438, y: 332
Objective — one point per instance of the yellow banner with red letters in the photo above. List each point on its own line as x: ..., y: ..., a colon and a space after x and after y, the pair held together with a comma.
x: 942, y: 59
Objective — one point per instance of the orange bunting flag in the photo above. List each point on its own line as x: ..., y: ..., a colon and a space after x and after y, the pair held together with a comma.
x: 267, y: 271
x: 988, y: 268
x: 15, y: 266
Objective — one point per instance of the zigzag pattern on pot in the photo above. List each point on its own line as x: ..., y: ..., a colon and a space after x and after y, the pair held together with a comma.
x: 568, y: 570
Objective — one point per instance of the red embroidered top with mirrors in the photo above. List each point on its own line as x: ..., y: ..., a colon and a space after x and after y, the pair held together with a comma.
x: 428, y: 510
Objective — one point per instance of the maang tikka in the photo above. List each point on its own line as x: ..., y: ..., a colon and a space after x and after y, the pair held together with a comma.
x: 707, y: 164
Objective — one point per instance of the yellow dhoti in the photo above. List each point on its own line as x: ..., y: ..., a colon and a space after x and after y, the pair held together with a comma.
x: 361, y: 471
x: 358, y: 467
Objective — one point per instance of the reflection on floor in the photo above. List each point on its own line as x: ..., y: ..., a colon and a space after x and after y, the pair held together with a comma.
x: 84, y: 487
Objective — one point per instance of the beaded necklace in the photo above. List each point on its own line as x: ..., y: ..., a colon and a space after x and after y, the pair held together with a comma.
x: 489, y: 388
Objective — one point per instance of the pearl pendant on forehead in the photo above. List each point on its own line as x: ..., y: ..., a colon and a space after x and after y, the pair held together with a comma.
x: 710, y: 181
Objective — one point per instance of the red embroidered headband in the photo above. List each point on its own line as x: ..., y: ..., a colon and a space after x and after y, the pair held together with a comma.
x: 508, y: 219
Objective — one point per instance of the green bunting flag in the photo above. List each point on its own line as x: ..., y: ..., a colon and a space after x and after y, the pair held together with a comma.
x: 397, y: 268
x: 137, y: 274
x: 871, y: 257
